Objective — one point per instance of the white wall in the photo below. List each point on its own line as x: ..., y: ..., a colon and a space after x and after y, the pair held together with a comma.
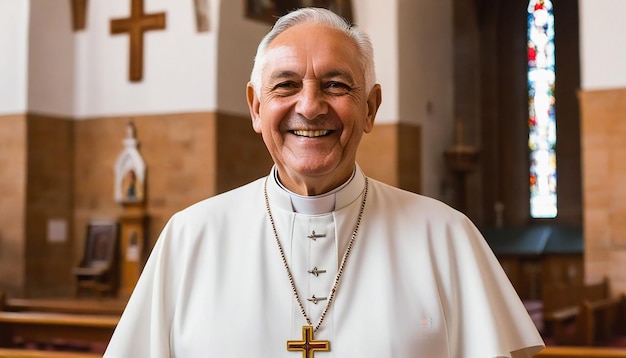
x: 238, y: 39
x: 13, y: 56
x: 413, y: 53
x: 426, y: 83
x: 85, y: 74
x: 380, y: 20
x: 602, y: 44
x: 179, y: 63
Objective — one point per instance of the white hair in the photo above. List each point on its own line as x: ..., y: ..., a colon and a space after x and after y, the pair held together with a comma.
x: 311, y: 15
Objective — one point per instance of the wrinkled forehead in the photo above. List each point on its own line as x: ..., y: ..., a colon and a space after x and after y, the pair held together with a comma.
x: 314, y: 46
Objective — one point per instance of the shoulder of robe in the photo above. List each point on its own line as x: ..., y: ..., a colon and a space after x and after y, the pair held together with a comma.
x: 424, y: 206
x: 233, y: 200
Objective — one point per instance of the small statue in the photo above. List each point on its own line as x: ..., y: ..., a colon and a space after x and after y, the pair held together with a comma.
x: 131, y: 132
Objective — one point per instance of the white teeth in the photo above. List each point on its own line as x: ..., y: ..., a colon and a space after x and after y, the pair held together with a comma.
x: 311, y: 134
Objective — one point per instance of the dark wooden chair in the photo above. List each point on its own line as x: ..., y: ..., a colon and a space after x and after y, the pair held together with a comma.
x: 97, y: 272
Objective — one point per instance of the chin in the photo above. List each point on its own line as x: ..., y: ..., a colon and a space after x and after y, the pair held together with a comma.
x: 313, y: 172
x: 317, y: 169
x: 314, y: 165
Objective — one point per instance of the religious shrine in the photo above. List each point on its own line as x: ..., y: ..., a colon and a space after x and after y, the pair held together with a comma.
x: 130, y: 180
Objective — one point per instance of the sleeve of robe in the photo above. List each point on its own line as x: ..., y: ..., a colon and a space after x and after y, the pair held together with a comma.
x: 487, y: 318
x: 144, y: 328
x: 482, y: 313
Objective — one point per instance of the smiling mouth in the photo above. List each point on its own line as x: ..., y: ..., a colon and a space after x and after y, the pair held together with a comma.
x: 311, y: 134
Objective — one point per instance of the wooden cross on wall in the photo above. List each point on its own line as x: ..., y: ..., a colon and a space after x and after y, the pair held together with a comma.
x: 79, y: 11
x: 135, y: 26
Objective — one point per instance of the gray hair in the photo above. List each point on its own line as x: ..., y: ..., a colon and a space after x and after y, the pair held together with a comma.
x: 316, y: 16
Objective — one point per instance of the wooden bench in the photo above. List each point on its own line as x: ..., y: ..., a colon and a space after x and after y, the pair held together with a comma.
x: 591, y: 323
x: 581, y: 352
x: 560, y: 301
x: 46, y: 327
x: 88, y: 307
x: 29, y: 353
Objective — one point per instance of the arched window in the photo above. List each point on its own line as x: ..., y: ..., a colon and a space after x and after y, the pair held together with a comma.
x: 541, y: 116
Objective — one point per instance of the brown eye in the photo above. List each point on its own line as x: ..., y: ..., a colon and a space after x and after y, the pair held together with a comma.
x: 337, y: 88
x: 285, y: 88
x: 284, y: 85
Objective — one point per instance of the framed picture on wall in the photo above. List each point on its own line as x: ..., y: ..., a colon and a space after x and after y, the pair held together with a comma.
x: 97, y: 270
x: 270, y: 10
x: 100, y: 243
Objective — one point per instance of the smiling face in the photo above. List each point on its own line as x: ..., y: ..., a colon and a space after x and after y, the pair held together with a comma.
x: 313, y: 107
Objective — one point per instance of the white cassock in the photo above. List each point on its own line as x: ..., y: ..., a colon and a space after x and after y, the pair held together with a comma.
x: 420, y: 281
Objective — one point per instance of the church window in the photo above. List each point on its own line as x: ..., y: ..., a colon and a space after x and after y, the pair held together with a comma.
x: 541, y: 116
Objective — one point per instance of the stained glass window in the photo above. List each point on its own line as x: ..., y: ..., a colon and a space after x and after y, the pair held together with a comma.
x: 541, y: 117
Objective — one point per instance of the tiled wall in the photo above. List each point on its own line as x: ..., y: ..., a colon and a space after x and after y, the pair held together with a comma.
x: 391, y: 153
x: 242, y: 153
x: 179, y: 153
x: 49, y: 197
x: 64, y: 170
x: 603, y: 117
x: 12, y: 202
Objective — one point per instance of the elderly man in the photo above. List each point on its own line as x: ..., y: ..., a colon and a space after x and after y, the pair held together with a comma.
x: 316, y: 259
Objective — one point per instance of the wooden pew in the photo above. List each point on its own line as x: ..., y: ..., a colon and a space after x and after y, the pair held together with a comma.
x: 594, y: 322
x: 25, y: 326
x: 581, y: 352
x: 45, y: 326
x: 88, y: 307
x: 29, y: 353
x: 560, y: 302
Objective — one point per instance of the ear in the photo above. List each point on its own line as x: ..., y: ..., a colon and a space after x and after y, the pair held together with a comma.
x: 253, y: 106
x: 374, y: 100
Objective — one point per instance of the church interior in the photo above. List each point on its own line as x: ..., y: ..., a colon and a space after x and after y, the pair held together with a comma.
x: 114, y: 115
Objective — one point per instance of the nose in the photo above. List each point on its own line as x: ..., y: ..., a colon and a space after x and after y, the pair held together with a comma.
x: 311, y: 102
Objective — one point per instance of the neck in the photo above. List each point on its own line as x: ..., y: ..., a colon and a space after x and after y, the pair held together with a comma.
x: 312, y: 186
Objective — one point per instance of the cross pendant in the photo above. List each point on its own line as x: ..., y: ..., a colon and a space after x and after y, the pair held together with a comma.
x: 308, y: 346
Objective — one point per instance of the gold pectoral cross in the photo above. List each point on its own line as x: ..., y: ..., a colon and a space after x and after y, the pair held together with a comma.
x: 308, y: 346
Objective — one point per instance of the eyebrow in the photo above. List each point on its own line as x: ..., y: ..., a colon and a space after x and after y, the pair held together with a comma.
x: 342, y: 74
x: 282, y: 74
x: 331, y: 74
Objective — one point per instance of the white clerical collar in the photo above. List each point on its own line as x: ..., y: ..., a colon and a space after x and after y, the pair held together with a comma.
x: 313, y: 205
x: 319, y: 204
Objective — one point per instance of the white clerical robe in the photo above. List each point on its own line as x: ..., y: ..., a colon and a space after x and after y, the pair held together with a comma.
x: 420, y: 281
